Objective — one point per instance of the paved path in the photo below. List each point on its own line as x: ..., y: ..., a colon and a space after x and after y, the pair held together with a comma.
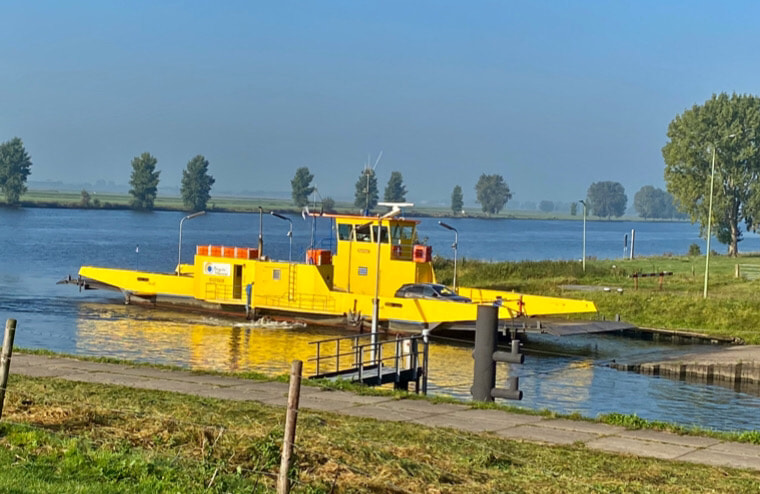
x: 645, y: 443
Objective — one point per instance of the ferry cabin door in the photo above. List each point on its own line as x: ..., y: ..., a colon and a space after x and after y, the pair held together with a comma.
x: 237, y: 282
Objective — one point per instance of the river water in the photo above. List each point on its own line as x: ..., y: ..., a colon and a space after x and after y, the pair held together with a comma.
x: 566, y: 375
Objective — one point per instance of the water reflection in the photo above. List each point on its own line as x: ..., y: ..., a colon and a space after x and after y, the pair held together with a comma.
x: 565, y: 375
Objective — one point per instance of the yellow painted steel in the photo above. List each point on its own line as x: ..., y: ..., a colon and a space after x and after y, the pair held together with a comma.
x: 344, y: 286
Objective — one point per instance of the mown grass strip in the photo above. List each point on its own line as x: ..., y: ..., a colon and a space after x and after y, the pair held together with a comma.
x: 61, y: 436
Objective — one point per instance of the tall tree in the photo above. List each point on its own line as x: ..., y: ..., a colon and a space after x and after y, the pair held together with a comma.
x: 196, y: 184
x: 144, y: 182
x: 457, y: 200
x: 606, y: 199
x: 328, y: 204
x: 492, y: 193
x: 395, y: 190
x: 15, y: 167
x: 725, y: 127
x: 546, y: 206
x: 301, y: 186
x: 573, y: 208
x: 366, y: 190
x: 651, y: 202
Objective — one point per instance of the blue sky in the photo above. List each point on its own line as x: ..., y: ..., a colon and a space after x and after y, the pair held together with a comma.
x: 551, y: 95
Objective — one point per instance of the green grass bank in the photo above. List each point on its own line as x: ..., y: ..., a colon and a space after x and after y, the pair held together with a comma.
x: 61, y: 436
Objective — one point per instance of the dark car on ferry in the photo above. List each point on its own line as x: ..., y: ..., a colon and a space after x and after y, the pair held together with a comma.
x: 429, y: 291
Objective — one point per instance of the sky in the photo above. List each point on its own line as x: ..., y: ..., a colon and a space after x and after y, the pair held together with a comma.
x: 552, y: 95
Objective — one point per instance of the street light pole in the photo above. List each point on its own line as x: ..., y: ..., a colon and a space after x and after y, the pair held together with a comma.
x: 454, y: 246
x: 709, y: 215
x: 179, y: 253
x: 709, y: 222
x: 290, y: 233
x: 584, y: 235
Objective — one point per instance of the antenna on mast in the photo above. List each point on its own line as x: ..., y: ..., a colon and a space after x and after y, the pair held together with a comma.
x: 369, y: 171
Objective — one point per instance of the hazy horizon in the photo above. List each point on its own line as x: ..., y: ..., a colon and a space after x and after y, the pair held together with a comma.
x: 552, y: 96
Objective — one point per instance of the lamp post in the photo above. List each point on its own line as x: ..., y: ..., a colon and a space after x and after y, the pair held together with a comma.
x: 709, y: 216
x: 179, y: 253
x: 453, y: 246
x: 584, y: 235
x: 290, y: 233
x: 709, y: 222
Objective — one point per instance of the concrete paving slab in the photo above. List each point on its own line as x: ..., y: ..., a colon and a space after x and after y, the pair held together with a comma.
x: 381, y: 412
x: 85, y: 365
x: 581, y: 426
x: 221, y: 381
x: 275, y: 388
x: 174, y: 387
x: 311, y: 403
x: 670, y: 438
x: 37, y: 371
x: 157, y: 373
x: 740, y: 449
x: 638, y: 447
x: 110, y: 378
x: 76, y: 376
x: 349, y: 399
x: 499, y: 416
x: 426, y: 406
x: 462, y: 423
x: 546, y: 435
x: 708, y: 457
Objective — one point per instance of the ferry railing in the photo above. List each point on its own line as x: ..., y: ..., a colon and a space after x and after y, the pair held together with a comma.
x: 396, y: 361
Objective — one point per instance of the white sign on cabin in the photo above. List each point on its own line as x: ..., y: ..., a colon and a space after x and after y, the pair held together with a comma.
x: 217, y: 269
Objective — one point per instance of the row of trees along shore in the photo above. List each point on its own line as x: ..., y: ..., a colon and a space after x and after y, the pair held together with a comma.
x: 15, y: 168
x: 195, y: 187
x: 712, y: 168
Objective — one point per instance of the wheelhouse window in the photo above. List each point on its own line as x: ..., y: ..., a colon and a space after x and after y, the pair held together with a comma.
x: 344, y: 231
x: 402, y: 234
x: 383, y: 234
x: 363, y: 234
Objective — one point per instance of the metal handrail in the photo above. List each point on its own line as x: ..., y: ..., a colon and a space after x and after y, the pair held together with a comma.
x: 358, y: 351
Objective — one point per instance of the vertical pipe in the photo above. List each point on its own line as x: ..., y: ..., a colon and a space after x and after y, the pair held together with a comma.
x: 5, y: 359
x: 261, y: 237
x: 633, y: 242
x: 291, y: 417
x: 376, y: 301
x: 484, y: 376
x: 426, y: 342
x: 584, y: 236
x: 456, y: 245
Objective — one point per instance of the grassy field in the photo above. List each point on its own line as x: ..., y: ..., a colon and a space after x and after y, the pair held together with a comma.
x: 52, y: 198
x: 731, y: 309
x: 61, y: 436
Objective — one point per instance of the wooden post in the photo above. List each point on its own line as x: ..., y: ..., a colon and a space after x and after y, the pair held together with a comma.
x: 737, y: 272
x: 5, y: 359
x: 291, y: 417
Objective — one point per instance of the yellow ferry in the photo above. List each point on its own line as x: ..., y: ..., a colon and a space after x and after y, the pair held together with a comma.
x: 377, y: 261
